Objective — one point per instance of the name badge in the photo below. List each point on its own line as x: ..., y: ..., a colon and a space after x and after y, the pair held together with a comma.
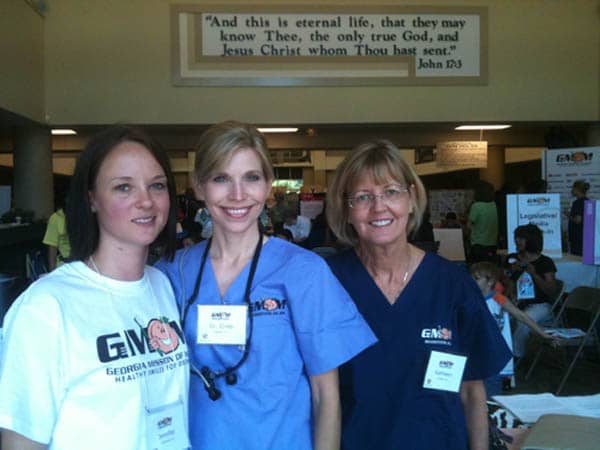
x: 222, y: 324
x: 166, y: 427
x: 444, y: 371
x: 525, y: 287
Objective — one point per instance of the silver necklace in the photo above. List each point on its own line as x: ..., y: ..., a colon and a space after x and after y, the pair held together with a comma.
x: 405, y: 277
x: 94, y: 266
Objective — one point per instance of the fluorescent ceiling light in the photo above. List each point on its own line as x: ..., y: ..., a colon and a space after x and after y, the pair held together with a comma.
x: 63, y: 132
x: 278, y: 130
x: 482, y: 127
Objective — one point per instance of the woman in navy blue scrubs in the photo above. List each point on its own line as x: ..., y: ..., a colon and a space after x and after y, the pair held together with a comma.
x: 407, y: 391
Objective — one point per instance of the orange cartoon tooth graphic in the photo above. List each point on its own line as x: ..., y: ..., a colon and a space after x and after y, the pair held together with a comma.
x: 161, y: 336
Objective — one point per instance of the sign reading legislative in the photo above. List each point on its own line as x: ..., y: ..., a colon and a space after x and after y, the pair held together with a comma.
x: 285, y: 45
x: 542, y: 210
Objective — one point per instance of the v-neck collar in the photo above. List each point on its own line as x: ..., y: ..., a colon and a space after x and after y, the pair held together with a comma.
x: 235, y: 292
x: 364, y: 274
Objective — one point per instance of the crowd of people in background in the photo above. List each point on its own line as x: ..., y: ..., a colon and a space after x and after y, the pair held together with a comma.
x: 314, y: 353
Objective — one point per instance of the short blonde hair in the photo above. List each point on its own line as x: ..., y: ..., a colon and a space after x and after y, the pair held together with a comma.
x: 485, y: 269
x: 218, y: 144
x: 383, y: 161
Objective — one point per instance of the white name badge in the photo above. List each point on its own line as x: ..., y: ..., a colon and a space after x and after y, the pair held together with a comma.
x: 444, y: 371
x: 222, y: 324
x: 166, y: 428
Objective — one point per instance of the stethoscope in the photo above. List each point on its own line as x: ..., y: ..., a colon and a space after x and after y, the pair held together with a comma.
x: 206, y: 374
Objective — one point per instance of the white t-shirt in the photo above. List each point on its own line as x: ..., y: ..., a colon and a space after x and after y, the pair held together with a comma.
x: 85, y: 357
x: 301, y: 229
x: 503, y: 320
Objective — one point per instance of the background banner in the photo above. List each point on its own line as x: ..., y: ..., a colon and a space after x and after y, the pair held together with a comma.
x: 542, y: 210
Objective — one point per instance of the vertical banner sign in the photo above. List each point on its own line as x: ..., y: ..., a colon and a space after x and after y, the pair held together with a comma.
x: 542, y: 210
x: 561, y: 167
x: 591, y: 232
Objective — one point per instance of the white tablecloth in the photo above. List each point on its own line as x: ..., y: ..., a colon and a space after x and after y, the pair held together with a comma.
x: 574, y: 273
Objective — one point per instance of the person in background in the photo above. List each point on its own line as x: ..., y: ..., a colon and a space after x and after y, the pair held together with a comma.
x: 86, y: 347
x: 274, y: 383
x: 282, y: 233
x: 500, y: 200
x: 320, y: 234
x: 451, y: 221
x: 529, y: 264
x: 482, y: 225
x: 537, y: 186
x: 579, y: 191
x: 487, y: 276
x: 425, y: 231
x: 56, y: 238
x: 279, y: 207
x: 423, y: 309
x: 299, y: 225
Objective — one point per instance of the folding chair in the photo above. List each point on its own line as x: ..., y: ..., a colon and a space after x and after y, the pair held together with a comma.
x: 585, y: 300
x: 35, y: 265
x: 552, y: 321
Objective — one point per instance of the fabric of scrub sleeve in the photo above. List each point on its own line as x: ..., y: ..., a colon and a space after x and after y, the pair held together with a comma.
x: 441, y: 309
x: 305, y: 324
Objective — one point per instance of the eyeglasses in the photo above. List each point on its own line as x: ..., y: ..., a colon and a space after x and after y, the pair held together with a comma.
x: 391, y: 196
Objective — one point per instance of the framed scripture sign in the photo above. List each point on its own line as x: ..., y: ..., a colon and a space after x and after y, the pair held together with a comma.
x: 295, y: 45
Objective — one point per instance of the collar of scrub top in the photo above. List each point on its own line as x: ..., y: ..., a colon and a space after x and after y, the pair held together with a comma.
x: 207, y: 375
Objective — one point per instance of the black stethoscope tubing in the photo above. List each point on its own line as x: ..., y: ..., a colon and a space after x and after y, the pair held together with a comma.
x: 206, y: 375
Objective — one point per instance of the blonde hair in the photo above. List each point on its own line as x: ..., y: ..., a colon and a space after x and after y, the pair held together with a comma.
x: 218, y: 144
x: 485, y: 269
x: 383, y: 161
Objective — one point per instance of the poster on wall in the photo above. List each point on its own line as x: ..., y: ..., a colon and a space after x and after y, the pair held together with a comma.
x: 326, y: 45
x: 562, y: 167
x: 462, y: 154
x: 591, y: 232
x: 542, y: 210
x: 443, y: 201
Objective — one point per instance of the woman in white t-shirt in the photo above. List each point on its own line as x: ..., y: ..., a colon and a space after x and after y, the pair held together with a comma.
x: 94, y: 356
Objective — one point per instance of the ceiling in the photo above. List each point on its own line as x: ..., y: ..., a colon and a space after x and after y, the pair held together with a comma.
x: 332, y: 136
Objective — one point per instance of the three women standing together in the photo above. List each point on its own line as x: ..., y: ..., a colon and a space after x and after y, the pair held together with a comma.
x: 267, y: 323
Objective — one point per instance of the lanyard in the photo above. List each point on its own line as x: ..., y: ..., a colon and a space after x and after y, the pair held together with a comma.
x: 253, y: 265
x: 207, y: 376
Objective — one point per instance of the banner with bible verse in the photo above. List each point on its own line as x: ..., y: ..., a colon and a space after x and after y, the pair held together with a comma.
x: 291, y: 45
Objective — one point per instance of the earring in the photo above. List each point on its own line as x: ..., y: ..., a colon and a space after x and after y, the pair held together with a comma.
x: 93, y: 209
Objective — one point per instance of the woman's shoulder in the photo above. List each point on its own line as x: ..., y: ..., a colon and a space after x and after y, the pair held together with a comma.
x: 182, y: 256
x: 434, y: 262
x: 284, y: 252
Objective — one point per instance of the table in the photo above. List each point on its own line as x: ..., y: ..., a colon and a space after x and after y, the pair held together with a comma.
x: 572, y: 271
x: 451, y: 243
x: 518, y: 435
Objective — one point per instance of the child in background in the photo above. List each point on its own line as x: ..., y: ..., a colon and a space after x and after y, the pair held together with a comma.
x: 487, y: 277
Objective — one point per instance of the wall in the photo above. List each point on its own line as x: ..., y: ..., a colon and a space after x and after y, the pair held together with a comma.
x: 21, y: 60
x: 109, y: 61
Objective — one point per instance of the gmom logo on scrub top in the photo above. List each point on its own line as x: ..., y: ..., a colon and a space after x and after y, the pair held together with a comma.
x: 437, y: 335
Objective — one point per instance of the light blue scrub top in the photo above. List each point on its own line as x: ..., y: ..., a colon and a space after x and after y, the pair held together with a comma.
x: 305, y: 324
